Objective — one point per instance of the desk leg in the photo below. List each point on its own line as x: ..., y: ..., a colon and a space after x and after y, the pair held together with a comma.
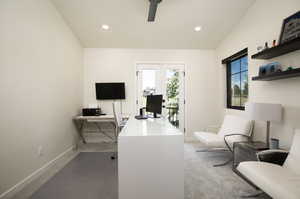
x: 80, y: 131
x: 116, y: 130
x: 100, y: 130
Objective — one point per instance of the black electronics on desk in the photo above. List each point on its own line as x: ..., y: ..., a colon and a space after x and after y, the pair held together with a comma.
x: 142, y: 115
x: 110, y: 91
x: 154, y: 104
x: 91, y: 111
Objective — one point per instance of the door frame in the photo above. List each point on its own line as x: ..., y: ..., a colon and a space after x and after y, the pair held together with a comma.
x: 180, y: 65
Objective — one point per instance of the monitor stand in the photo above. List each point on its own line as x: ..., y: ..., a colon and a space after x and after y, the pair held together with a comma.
x: 155, y: 115
x: 141, y: 117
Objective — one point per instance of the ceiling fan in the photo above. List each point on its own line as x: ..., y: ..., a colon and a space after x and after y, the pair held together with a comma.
x: 152, y: 9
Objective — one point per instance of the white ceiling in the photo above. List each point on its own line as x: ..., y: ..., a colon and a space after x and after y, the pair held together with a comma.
x: 173, y: 28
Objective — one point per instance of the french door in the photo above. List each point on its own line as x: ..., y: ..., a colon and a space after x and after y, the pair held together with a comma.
x: 167, y: 80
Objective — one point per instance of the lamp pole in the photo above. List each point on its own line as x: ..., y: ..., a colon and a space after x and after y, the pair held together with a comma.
x: 268, y: 134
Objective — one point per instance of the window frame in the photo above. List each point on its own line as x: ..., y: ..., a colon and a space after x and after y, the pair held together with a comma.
x: 228, y: 62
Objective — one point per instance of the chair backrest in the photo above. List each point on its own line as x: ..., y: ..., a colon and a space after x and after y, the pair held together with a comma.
x: 117, y: 113
x: 236, y: 125
x: 293, y: 160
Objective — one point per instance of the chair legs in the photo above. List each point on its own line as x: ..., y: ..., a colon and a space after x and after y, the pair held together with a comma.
x: 253, y: 195
x: 212, y: 150
x: 225, y: 163
x: 117, y: 131
x: 217, y: 150
x: 114, y: 156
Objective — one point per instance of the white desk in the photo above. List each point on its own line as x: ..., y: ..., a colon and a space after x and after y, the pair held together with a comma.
x: 80, y: 121
x: 150, y: 160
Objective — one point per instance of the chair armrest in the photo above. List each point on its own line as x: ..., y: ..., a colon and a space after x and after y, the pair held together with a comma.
x: 234, y: 134
x: 237, y: 134
x: 273, y: 156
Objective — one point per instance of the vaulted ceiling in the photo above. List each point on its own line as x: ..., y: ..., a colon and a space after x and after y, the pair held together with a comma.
x: 173, y: 27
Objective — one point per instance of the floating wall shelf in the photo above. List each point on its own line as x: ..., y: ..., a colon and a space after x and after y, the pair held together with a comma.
x: 279, y: 50
x: 278, y: 75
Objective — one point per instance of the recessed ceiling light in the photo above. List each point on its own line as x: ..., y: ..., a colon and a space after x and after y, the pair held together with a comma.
x: 105, y: 27
x: 197, y: 28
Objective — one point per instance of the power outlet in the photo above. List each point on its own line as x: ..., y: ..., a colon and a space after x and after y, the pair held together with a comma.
x: 40, y: 151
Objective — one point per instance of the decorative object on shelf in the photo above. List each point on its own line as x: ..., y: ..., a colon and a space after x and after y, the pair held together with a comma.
x: 266, y: 46
x: 262, y: 70
x: 290, y: 28
x: 264, y: 112
x: 269, y: 68
x: 274, y: 43
x: 274, y: 67
x: 260, y: 48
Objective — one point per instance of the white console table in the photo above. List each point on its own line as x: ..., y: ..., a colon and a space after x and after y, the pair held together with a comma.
x: 150, y: 160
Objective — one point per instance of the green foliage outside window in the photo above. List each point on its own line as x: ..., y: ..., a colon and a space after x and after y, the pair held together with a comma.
x: 173, y: 89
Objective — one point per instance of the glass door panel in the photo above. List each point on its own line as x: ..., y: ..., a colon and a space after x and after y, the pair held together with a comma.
x: 166, y: 80
x: 172, y: 96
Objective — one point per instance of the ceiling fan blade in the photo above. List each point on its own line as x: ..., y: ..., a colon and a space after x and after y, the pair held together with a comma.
x: 152, y: 11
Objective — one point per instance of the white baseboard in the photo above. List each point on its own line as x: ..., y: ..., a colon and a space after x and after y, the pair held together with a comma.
x: 33, y: 181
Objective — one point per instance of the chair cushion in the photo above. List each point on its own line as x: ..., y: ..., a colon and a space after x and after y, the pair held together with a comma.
x: 278, y: 182
x: 210, y: 139
x: 293, y: 160
x: 234, y: 124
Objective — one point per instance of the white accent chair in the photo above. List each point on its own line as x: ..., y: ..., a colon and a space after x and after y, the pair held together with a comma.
x: 280, y: 181
x: 233, y: 129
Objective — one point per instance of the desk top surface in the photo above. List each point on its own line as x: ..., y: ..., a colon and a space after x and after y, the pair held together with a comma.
x: 149, y: 127
x: 108, y: 116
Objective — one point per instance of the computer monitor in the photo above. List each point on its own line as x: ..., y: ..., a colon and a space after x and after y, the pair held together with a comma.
x: 110, y: 91
x: 154, y: 104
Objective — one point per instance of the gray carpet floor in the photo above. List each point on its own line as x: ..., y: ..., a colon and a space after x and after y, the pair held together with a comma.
x: 87, y: 176
x: 94, y: 176
x: 203, y: 181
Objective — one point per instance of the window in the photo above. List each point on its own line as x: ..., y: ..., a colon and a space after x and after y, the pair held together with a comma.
x: 237, y: 81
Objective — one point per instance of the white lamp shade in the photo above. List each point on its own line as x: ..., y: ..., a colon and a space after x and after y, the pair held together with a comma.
x: 264, y: 112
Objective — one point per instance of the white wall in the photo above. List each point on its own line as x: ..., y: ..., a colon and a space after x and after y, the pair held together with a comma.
x: 263, y: 23
x: 41, y: 87
x: 109, y: 65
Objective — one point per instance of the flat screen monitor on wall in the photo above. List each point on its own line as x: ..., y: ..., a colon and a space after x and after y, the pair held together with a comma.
x: 110, y: 91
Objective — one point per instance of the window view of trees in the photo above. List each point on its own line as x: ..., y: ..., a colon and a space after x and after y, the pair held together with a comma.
x: 238, y: 71
x: 172, y: 102
x: 173, y: 89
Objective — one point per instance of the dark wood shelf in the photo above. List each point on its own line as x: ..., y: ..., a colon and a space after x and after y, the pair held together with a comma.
x: 279, y: 50
x: 278, y: 75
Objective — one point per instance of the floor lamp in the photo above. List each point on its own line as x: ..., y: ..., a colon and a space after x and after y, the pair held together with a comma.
x: 264, y: 112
